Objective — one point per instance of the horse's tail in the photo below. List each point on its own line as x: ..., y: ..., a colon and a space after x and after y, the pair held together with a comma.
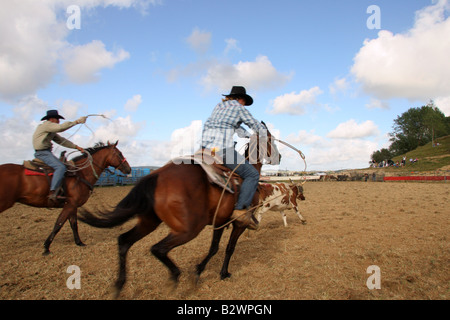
x: 139, y: 200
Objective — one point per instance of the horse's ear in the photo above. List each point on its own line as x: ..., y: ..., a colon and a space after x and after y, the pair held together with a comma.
x: 115, y: 145
x: 262, y: 122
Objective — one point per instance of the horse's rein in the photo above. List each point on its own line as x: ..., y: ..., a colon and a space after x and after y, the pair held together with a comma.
x: 255, y: 145
x: 121, y: 164
x: 231, y: 174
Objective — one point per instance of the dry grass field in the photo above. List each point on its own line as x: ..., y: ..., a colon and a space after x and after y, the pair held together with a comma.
x: 403, y: 228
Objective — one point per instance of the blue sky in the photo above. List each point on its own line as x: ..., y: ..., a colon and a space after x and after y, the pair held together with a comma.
x: 320, y: 77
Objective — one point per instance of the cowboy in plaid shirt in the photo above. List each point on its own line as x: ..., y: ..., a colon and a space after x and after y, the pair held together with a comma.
x: 218, y: 131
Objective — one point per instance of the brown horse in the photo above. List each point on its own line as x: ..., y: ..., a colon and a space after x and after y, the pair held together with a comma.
x: 181, y: 196
x: 32, y: 190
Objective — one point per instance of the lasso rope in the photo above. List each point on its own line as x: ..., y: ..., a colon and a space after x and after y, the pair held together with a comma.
x: 298, y: 151
x: 89, y: 161
x: 93, y: 133
x: 259, y: 204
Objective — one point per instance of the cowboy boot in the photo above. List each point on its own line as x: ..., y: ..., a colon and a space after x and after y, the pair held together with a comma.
x: 54, y: 198
x: 245, y: 219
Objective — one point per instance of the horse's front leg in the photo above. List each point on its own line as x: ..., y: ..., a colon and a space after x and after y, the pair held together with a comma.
x: 235, y: 234
x: 62, y: 218
x: 212, y: 251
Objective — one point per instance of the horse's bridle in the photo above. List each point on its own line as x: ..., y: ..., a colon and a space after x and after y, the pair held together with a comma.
x: 116, y: 153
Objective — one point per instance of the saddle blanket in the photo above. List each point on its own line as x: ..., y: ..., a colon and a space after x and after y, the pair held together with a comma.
x: 29, y: 172
x: 216, y: 173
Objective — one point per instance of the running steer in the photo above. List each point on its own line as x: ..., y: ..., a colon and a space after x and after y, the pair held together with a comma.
x: 279, y: 197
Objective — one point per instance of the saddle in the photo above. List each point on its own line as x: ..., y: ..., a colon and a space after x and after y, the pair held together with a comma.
x: 213, y: 166
x: 37, y: 167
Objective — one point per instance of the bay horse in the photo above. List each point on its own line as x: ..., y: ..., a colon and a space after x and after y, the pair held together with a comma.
x: 33, y: 190
x: 181, y: 196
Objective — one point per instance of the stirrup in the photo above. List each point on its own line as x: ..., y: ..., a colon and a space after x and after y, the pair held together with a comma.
x: 245, y: 219
x: 55, y: 197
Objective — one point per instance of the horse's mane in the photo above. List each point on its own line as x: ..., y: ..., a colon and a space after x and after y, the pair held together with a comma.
x: 97, y: 147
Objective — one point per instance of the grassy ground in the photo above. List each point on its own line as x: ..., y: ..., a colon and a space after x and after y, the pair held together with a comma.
x: 429, y: 158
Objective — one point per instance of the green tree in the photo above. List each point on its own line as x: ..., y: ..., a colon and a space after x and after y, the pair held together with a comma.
x: 435, y: 121
x: 416, y: 127
x: 380, y: 155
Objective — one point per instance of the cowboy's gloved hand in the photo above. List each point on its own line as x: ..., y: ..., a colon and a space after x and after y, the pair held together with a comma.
x: 81, y: 120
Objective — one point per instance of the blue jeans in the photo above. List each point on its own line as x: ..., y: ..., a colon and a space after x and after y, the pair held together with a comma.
x: 60, y: 169
x: 250, y: 176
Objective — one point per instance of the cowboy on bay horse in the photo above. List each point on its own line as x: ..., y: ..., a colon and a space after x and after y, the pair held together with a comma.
x: 45, y: 133
x: 218, y: 131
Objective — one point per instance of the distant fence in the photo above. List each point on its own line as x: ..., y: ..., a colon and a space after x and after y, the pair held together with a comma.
x: 439, y: 175
x: 418, y: 178
x: 115, y: 178
x: 288, y: 178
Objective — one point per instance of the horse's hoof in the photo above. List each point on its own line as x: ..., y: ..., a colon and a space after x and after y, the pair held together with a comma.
x: 81, y: 244
x: 46, y: 252
x: 225, y: 275
x: 194, y: 278
x: 116, y: 293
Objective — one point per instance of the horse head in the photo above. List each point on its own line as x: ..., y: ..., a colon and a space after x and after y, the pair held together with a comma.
x: 262, y: 147
x: 116, y: 159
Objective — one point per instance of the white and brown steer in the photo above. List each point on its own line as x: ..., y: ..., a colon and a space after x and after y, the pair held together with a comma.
x: 279, y: 197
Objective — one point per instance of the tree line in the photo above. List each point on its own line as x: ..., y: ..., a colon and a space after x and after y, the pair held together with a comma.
x: 414, y: 128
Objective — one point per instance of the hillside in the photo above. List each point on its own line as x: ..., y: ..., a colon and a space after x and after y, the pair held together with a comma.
x: 430, y: 158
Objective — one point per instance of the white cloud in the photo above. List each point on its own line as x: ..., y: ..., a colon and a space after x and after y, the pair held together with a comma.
x: 31, y: 38
x: 190, y: 70
x: 16, y: 132
x: 255, y: 75
x: 133, y: 103
x: 327, y: 152
x: 185, y: 141
x: 342, y: 154
x: 123, y: 129
x: 83, y: 63
x: 34, y: 42
x: 351, y: 130
x: 413, y: 65
x: 232, y: 45
x: 295, y: 103
x: 443, y: 104
x: 69, y: 109
x: 339, y: 85
x: 30, y: 106
x: 377, y: 104
x: 199, y: 40
x: 141, y: 5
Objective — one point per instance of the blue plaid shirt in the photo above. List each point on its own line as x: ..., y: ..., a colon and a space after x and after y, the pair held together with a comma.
x: 224, y: 122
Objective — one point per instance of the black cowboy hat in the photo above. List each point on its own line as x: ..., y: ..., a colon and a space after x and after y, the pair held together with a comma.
x: 52, y: 114
x: 238, y: 91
